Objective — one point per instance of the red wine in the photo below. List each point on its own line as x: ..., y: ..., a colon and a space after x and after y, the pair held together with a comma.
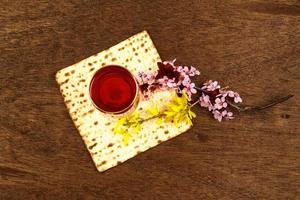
x: 113, y: 89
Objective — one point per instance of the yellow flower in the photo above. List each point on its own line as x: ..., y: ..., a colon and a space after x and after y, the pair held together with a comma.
x: 179, y: 110
x: 126, y: 137
x: 136, y: 128
x: 133, y: 118
x: 128, y: 125
x: 119, y: 127
x: 159, y: 120
x: 153, y: 111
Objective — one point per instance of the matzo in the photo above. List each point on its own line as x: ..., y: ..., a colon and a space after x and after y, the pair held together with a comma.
x: 107, y: 149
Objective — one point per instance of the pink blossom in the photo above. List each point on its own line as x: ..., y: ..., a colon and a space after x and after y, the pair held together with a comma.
x: 223, y: 93
x: 170, y: 62
x: 148, y: 78
x: 186, y: 80
x: 217, y: 115
x: 211, y: 85
x: 231, y: 93
x: 182, y: 69
x: 219, y: 106
x: 220, y: 103
x: 165, y: 82
x: 190, y: 89
x: 177, y: 77
x: 227, y: 115
x: 193, y: 71
x: 186, y: 71
x: 205, y: 102
x: 236, y: 97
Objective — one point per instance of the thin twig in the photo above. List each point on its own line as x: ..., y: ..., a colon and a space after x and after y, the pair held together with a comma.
x: 197, y: 88
x: 153, y: 117
x: 239, y: 108
x: 195, y: 103
x: 258, y: 108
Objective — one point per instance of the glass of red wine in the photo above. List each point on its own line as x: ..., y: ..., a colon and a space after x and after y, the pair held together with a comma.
x: 114, y: 90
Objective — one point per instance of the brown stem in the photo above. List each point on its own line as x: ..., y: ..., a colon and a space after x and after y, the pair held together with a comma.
x: 195, y: 103
x: 199, y: 89
x: 153, y: 117
x: 258, y: 108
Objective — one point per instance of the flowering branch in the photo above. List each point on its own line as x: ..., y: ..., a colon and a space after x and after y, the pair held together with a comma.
x: 218, y: 100
x: 169, y: 76
x: 178, y: 110
x: 258, y: 108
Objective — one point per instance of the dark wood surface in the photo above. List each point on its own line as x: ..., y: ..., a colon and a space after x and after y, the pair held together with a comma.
x: 252, y: 46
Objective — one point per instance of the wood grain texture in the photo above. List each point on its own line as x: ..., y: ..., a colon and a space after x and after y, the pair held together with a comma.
x: 253, y: 46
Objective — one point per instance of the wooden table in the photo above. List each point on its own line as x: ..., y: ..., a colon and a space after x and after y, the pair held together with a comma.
x: 252, y: 46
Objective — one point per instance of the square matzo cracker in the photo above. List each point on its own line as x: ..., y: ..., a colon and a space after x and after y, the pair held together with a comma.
x: 107, y: 149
